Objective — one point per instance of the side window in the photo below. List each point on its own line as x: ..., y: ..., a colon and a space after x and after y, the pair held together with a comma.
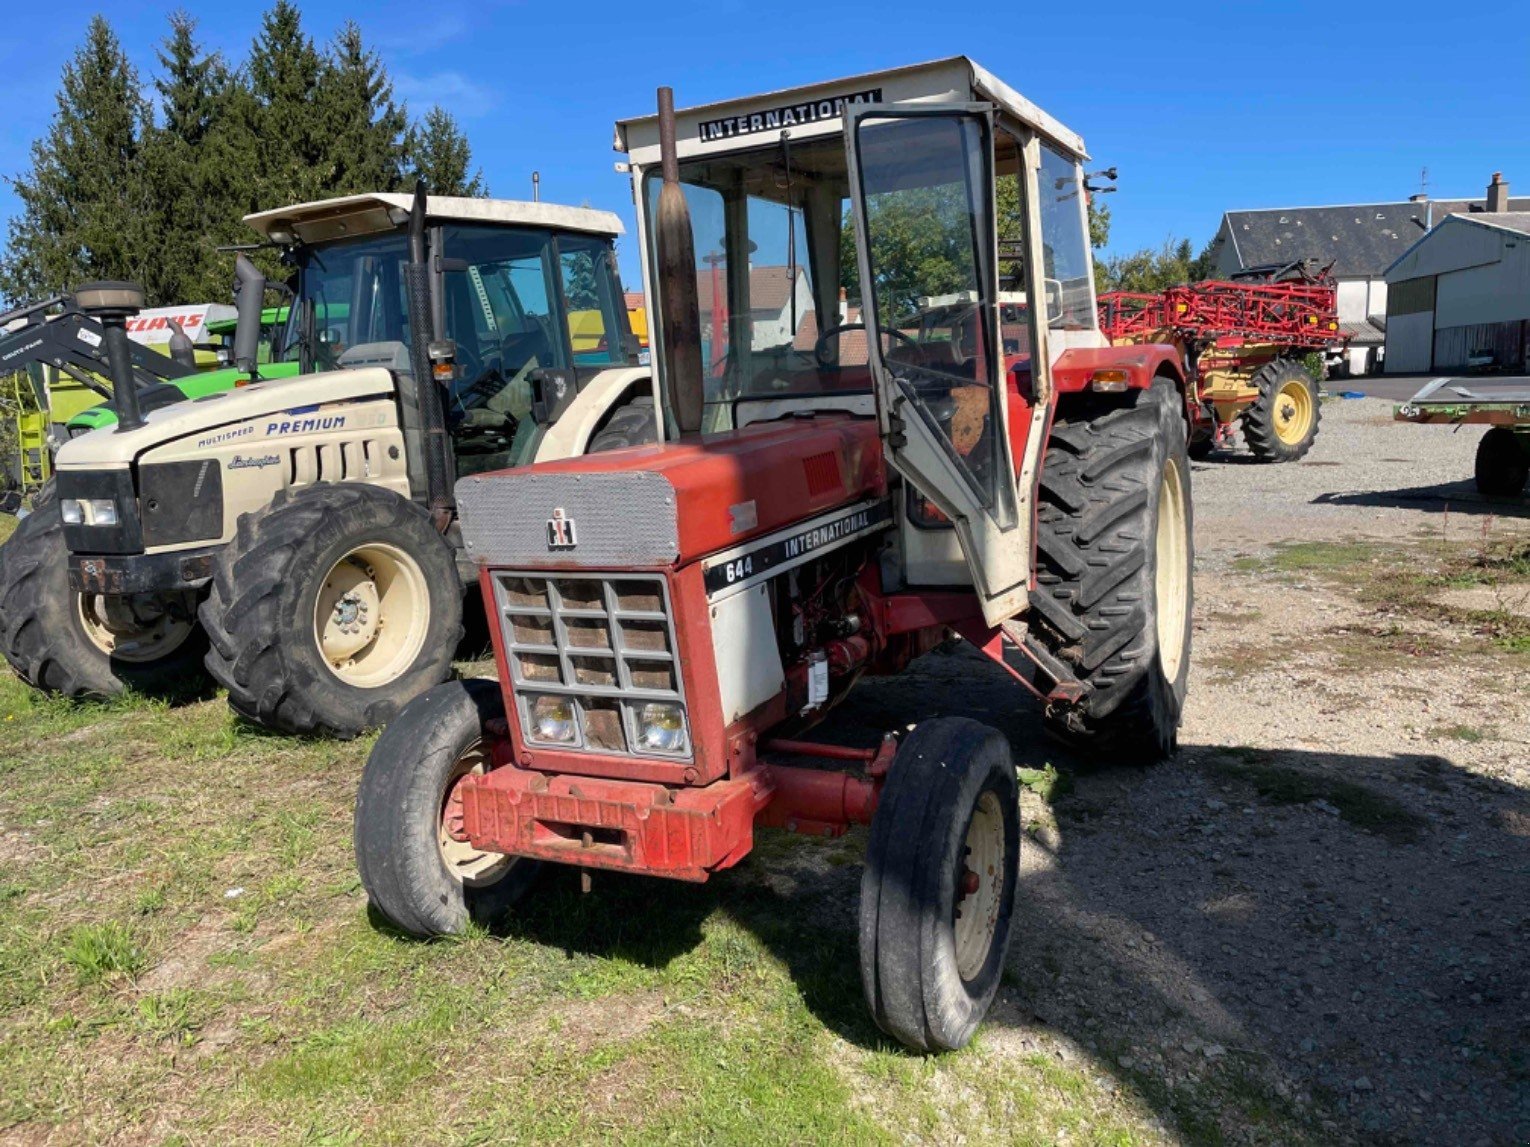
x: 594, y: 331
x: 1065, y: 243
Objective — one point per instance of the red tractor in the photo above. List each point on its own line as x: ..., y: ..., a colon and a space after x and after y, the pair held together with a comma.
x: 963, y: 452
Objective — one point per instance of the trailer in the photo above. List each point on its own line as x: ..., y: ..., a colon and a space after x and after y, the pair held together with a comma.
x: 1243, y: 341
x: 1502, y: 404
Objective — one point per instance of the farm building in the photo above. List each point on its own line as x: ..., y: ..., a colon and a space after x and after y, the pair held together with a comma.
x: 1361, y: 240
x: 1459, y: 298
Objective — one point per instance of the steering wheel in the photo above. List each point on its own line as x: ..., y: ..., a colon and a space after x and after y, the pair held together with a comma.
x: 821, y: 347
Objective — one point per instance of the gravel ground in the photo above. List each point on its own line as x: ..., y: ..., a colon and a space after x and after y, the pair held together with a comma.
x: 1311, y: 923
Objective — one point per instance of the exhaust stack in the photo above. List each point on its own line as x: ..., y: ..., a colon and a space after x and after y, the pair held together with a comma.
x: 679, y: 309
x: 112, y: 304
x: 250, y: 297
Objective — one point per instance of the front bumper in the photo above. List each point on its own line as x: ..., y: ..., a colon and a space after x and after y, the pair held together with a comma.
x: 141, y: 573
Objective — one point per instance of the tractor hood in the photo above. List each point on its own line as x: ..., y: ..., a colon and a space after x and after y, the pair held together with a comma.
x: 263, y: 410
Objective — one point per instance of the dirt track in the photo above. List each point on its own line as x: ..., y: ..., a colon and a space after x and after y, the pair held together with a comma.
x: 1313, y: 922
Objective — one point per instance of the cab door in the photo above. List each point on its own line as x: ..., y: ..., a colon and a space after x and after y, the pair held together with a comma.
x: 922, y: 195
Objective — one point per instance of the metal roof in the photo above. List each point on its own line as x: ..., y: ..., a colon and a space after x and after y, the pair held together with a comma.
x: 375, y: 211
x: 1512, y: 222
x: 1361, y: 239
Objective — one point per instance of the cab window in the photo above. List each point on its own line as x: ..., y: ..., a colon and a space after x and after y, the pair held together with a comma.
x: 595, y: 330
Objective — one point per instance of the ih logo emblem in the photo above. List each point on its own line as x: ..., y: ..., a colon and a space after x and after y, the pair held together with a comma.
x: 560, y: 531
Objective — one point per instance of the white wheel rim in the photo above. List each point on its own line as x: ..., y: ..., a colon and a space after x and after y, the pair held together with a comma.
x: 1171, y: 579
x: 979, y: 886
x: 371, y: 615
x: 137, y: 628
x: 467, y: 863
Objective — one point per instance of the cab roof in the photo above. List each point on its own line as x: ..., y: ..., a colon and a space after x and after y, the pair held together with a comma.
x: 372, y: 212
x: 953, y: 79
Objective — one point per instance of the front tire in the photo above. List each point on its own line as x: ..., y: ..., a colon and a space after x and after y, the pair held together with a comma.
x: 1282, y: 423
x: 1502, y: 463
x: 332, y: 607
x: 938, y: 890
x: 88, y: 645
x: 1114, y: 560
x: 415, y: 872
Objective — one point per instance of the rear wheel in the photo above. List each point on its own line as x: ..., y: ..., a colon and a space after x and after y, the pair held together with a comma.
x: 938, y: 890
x: 415, y: 863
x: 1114, y: 559
x: 331, y: 608
x: 1503, y: 463
x: 88, y: 645
x: 1283, y: 421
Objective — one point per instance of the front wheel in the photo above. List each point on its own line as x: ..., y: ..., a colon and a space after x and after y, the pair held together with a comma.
x: 415, y: 864
x: 938, y: 890
x: 86, y: 644
x: 331, y: 608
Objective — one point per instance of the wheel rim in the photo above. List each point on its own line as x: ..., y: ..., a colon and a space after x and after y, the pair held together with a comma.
x: 979, y: 886
x: 1293, y: 412
x: 1171, y: 578
x: 467, y: 863
x: 137, y: 628
x: 371, y: 615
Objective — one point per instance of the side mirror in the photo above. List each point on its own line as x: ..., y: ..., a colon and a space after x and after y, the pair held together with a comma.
x: 553, y: 390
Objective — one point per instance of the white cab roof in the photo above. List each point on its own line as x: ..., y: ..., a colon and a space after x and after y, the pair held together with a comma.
x: 370, y: 213
x: 956, y: 79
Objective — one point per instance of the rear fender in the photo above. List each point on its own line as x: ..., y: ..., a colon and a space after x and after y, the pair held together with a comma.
x: 1076, y: 369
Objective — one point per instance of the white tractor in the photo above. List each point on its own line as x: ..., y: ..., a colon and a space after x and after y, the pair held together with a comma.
x: 297, y: 534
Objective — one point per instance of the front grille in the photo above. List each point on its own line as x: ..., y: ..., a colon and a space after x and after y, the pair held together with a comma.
x: 605, y: 643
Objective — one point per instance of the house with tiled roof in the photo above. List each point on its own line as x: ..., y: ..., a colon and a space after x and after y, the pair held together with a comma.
x: 1359, y: 240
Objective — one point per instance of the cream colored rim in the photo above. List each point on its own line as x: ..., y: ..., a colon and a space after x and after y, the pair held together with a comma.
x: 979, y: 887
x: 136, y: 628
x: 1293, y: 412
x: 371, y: 615
x: 467, y: 863
x: 1171, y: 579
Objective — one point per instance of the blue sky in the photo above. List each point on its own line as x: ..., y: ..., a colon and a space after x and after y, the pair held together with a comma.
x: 1242, y: 105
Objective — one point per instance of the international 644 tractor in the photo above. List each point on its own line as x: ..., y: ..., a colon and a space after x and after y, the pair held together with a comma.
x: 837, y: 490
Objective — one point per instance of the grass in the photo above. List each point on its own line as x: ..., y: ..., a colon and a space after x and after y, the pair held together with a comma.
x: 141, y: 999
x: 1402, y: 586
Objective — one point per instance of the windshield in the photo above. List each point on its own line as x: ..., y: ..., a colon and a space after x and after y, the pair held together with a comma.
x: 778, y: 282
x: 352, y: 294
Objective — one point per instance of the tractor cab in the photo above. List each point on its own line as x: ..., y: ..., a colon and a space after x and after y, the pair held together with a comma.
x: 873, y: 250
x: 526, y: 293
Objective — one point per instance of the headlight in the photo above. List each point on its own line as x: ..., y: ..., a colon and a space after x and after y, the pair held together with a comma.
x: 661, y: 728
x: 88, y: 511
x: 552, y: 719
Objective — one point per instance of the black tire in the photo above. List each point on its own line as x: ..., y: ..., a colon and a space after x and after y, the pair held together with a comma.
x: 1503, y: 463
x: 259, y: 613
x: 42, y: 633
x: 631, y: 425
x: 909, y: 949
x: 398, y: 815
x: 1201, y: 449
x: 1095, y: 606
x: 1262, y: 420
